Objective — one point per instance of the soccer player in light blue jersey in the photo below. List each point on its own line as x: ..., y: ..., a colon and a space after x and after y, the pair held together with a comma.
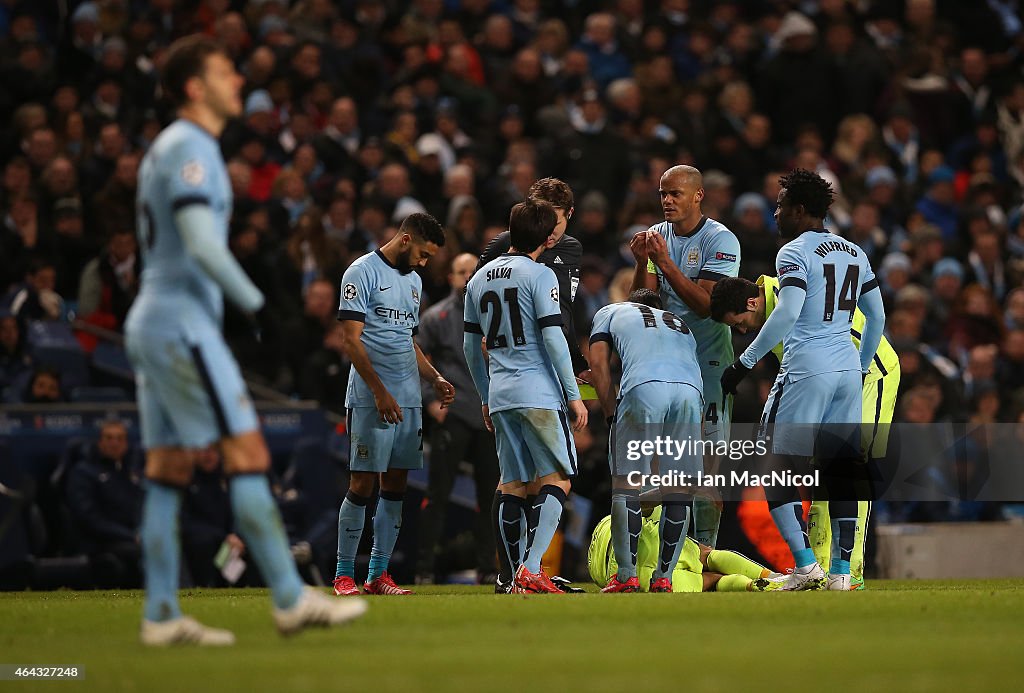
x: 823, y: 279
x: 683, y: 257
x: 513, y: 303
x: 380, y: 312
x: 661, y: 389
x: 190, y: 392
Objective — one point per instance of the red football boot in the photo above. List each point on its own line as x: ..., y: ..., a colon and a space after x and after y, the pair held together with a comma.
x: 384, y: 585
x: 344, y: 586
x: 661, y: 585
x: 533, y: 583
x: 630, y: 585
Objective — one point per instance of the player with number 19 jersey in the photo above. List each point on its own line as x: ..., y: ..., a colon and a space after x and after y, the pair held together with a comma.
x: 654, y: 345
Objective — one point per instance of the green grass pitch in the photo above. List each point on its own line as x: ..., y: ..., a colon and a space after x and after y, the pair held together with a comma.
x: 895, y: 636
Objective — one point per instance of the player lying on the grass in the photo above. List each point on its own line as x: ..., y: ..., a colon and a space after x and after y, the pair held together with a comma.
x: 660, y: 388
x: 514, y: 300
x: 699, y: 568
x: 745, y: 306
x: 822, y: 280
x: 380, y: 310
x: 190, y: 391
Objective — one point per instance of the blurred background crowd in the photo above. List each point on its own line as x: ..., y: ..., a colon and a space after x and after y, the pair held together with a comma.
x: 360, y: 112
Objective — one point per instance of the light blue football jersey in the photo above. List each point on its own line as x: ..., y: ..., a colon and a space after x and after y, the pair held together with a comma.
x: 834, y: 272
x: 653, y: 345
x: 710, y: 252
x: 183, y: 166
x: 387, y: 301
x: 510, y: 300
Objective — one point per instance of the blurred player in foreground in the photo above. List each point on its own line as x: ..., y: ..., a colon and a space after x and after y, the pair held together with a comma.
x: 744, y: 305
x: 514, y: 302
x: 190, y: 391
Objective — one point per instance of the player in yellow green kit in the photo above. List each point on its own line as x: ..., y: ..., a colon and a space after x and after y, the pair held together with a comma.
x: 699, y: 569
x: 746, y: 305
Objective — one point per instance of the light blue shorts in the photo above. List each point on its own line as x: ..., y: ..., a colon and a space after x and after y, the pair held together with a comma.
x: 717, y: 406
x: 533, y: 443
x: 189, y: 388
x: 655, y: 409
x: 377, y: 446
x: 798, y: 412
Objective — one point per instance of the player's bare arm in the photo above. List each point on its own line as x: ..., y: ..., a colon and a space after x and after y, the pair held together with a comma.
x: 443, y: 389
x: 387, y: 405
x: 600, y: 357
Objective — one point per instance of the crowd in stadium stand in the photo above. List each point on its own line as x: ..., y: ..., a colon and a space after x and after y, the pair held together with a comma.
x: 360, y: 112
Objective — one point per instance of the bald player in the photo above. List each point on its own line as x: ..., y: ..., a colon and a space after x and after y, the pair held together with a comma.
x: 683, y: 258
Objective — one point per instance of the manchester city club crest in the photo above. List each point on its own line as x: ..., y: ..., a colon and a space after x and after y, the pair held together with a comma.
x: 692, y: 257
x: 415, y: 296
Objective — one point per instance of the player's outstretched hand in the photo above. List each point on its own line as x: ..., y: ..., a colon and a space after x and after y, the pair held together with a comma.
x: 444, y: 391
x: 488, y: 424
x: 387, y: 408
x: 579, y: 413
x: 657, y: 248
x: 733, y: 376
x: 638, y: 246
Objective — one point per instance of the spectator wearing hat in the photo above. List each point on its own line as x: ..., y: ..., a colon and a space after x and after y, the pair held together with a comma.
x: 947, y: 281
x: 758, y: 243
x: 894, y: 274
x: 797, y: 82
x: 80, y: 50
x: 938, y: 206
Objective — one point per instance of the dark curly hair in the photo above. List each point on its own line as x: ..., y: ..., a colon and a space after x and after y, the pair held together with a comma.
x: 424, y: 227
x: 807, y: 188
x: 645, y: 297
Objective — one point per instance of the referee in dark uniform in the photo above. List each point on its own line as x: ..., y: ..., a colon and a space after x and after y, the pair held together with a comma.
x: 562, y: 254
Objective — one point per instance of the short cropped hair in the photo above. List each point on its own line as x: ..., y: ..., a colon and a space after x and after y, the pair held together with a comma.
x: 530, y: 224
x: 424, y: 227
x: 810, y: 190
x: 730, y: 295
x: 186, y: 59
x: 553, y: 191
x: 646, y: 297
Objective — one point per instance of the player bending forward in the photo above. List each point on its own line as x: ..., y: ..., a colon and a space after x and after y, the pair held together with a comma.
x: 190, y: 390
x: 514, y: 301
x: 660, y: 388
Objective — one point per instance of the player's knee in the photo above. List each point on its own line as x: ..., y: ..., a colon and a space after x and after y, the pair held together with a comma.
x: 394, y: 480
x: 361, y: 483
x: 170, y: 466
x: 245, y: 453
